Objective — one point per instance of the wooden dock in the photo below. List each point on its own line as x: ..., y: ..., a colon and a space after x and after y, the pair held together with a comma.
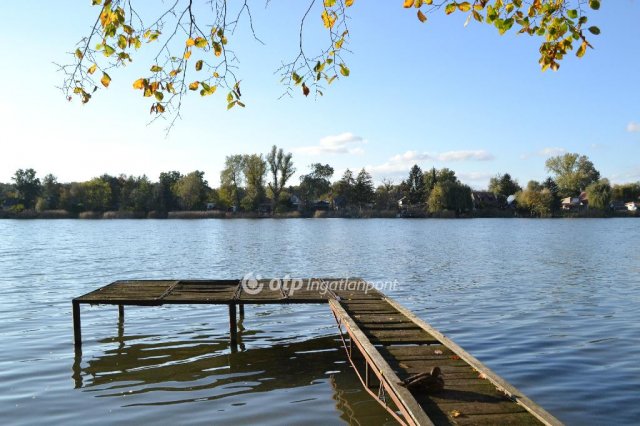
x: 384, y: 342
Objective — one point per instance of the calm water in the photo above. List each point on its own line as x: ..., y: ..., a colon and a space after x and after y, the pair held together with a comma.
x: 551, y: 305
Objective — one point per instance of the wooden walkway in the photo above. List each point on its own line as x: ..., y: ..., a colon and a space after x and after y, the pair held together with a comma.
x: 384, y: 342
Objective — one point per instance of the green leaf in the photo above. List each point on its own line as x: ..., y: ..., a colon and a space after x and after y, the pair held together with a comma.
x: 594, y: 30
x: 572, y: 13
x: 159, y: 96
x: 451, y: 7
x: 108, y: 50
x: 594, y: 4
x: 344, y: 70
x: 156, y: 68
x: 79, y: 54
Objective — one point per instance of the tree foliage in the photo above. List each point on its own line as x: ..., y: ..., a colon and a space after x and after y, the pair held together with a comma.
x: 503, y: 185
x: 231, y: 180
x: 27, y: 186
x: 626, y: 192
x: 573, y: 173
x: 280, y: 169
x: 195, y: 37
x: 448, y: 195
x: 255, y: 169
x: 192, y: 190
x: 364, y: 192
x: 316, y: 183
x: 599, y: 194
x: 535, y: 199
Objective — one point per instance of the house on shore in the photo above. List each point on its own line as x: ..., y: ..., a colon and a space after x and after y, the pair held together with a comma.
x: 575, y: 203
x: 484, y: 200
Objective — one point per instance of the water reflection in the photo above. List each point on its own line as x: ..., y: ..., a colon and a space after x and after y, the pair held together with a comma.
x: 149, y: 371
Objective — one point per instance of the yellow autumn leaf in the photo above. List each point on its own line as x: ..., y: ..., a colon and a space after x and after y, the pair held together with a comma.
x: 190, y: 42
x: 199, y: 65
x: 421, y: 16
x: 187, y: 54
x: 464, y: 6
x: 92, y: 69
x: 194, y: 85
x: 348, y: 3
x: 105, y: 80
x: 407, y: 4
x: 139, y: 83
x: 328, y: 19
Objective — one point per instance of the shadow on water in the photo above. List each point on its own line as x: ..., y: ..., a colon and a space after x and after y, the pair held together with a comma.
x: 207, y: 368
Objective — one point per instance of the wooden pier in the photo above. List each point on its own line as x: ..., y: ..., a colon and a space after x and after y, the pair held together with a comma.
x: 384, y: 342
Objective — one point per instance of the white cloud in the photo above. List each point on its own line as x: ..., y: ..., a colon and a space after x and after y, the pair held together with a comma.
x: 545, y: 153
x: 402, y: 162
x: 633, y: 127
x: 344, y: 143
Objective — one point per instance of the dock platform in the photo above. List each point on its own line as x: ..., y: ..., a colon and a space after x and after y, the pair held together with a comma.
x: 384, y: 342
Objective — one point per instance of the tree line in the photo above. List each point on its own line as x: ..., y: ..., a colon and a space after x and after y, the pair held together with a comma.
x: 262, y: 183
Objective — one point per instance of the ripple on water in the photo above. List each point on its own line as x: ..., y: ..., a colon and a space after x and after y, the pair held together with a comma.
x: 549, y: 305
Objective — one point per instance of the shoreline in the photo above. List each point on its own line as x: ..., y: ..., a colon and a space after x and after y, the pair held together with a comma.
x: 318, y: 214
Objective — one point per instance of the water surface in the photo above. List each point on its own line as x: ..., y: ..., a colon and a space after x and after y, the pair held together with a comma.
x: 551, y: 305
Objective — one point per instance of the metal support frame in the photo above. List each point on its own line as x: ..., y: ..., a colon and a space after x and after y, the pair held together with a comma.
x: 366, y: 381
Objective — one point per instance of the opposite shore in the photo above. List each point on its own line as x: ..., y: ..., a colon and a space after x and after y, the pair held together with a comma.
x: 318, y: 214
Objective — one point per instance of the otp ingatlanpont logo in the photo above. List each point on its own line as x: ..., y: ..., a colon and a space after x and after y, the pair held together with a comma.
x: 251, y: 284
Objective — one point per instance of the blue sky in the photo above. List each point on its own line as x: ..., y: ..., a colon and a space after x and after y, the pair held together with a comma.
x: 436, y: 94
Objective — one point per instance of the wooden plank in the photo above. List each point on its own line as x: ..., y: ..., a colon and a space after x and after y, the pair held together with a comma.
x: 540, y: 413
x: 408, y: 404
x: 497, y: 419
x: 400, y: 336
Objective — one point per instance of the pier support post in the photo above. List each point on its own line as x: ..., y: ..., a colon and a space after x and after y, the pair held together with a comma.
x: 77, y: 332
x: 233, y: 326
x: 241, y: 311
x: 120, y: 313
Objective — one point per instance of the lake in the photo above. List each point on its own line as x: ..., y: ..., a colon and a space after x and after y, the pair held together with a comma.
x: 550, y: 305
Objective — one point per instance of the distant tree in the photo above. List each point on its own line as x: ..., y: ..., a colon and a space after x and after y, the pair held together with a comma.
x: 414, y: 187
x: 50, y: 192
x: 343, y: 190
x: 192, y: 190
x: 626, y: 192
x: 449, y: 195
x: 503, y: 185
x: 536, y: 200
x: 231, y: 179
x: 142, y: 196
x: 27, y: 187
x: 280, y: 169
x: 364, y: 192
x: 166, y: 198
x: 115, y: 183
x: 316, y: 183
x: 387, y: 195
x: 96, y: 195
x: 551, y: 185
x: 255, y: 169
x: 572, y: 173
x: 599, y: 194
